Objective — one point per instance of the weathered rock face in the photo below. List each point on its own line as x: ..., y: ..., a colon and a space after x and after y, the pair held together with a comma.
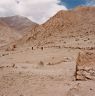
x: 85, y: 66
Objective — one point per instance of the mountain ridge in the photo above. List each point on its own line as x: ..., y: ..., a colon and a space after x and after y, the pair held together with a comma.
x: 72, y: 28
x: 19, y: 23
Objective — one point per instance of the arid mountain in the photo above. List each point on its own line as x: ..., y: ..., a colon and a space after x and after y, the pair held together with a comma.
x: 19, y: 23
x: 74, y: 28
x: 70, y: 29
x: 7, y: 34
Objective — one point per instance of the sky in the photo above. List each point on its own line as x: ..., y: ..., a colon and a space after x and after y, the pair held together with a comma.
x: 39, y: 10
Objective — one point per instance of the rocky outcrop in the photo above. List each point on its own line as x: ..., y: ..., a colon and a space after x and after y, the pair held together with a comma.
x: 85, y: 66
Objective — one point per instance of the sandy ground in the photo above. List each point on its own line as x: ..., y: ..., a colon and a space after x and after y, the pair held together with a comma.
x: 39, y: 72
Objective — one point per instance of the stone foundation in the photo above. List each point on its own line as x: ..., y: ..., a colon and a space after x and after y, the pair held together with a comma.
x: 85, y: 69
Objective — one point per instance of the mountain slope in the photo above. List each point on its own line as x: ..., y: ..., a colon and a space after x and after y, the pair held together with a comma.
x: 74, y: 28
x: 19, y: 23
x: 7, y: 34
x: 71, y: 29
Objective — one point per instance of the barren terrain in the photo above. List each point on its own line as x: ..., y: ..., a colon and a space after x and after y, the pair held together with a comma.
x: 47, y: 72
x: 56, y: 58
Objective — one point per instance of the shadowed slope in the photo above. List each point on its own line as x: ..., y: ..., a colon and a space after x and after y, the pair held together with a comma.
x: 7, y: 34
x: 19, y: 23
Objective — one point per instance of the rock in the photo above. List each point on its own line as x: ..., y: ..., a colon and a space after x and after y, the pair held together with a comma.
x: 85, y: 66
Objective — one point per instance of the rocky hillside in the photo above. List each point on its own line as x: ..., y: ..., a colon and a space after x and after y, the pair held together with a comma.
x: 70, y: 29
x: 74, y: 28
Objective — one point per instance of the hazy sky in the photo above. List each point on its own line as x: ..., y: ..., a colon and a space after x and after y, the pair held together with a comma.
x: 38, y: 10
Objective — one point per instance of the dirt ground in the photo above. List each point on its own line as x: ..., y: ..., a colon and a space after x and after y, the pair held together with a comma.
x: 47, y: 72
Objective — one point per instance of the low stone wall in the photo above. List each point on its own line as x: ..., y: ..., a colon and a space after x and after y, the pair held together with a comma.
x: 85, y: 69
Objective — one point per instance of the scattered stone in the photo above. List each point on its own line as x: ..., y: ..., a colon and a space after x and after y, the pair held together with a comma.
x: 41, y: 63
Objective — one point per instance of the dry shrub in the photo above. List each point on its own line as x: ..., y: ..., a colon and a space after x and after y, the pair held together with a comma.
x: 41, y: 63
